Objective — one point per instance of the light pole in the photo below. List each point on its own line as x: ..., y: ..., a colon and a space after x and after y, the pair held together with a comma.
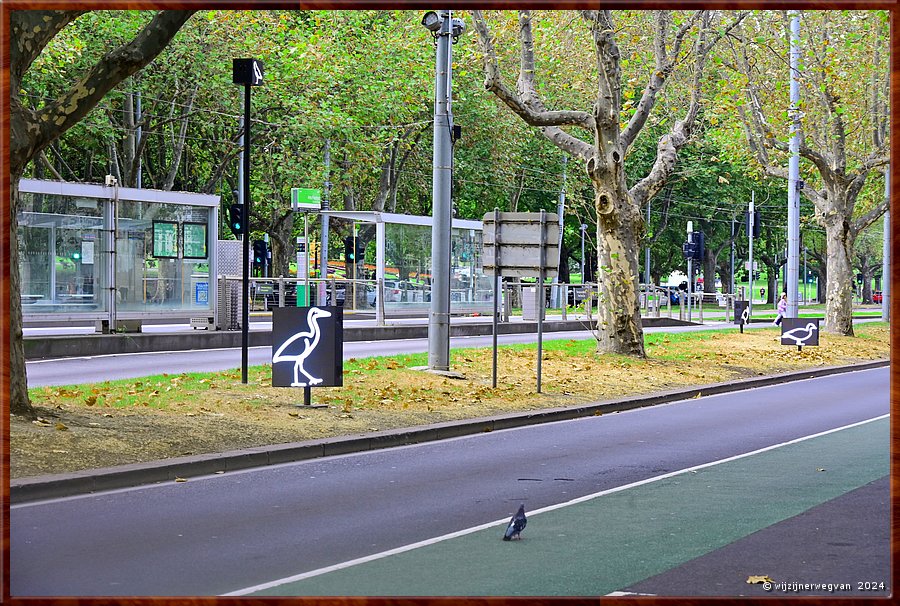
x: 445, y: 29
x: 248, y: 72
x: 583, y: 228
x: 794, y: 183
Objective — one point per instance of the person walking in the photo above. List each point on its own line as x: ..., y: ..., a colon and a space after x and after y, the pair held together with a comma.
x: 782, y: 309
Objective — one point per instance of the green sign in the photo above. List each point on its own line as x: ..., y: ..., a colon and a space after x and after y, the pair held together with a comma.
x: 306, y: 199
x: 165, y: 239
x: 194, y: 240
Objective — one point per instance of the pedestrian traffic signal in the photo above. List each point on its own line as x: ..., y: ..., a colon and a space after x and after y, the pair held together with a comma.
x: 236, y: 219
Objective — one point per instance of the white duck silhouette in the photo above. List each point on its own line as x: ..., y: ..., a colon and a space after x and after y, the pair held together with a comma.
x: 310, y: 340
x: 800, y: 335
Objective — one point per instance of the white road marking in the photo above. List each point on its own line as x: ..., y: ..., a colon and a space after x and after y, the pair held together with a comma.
x: 465, y: 531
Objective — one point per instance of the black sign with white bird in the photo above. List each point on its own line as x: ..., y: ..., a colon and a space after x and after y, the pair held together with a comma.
x: 800, y: 331
x: 516, y: 525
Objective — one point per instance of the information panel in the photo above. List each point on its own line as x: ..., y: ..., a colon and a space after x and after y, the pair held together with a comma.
x: 165, y: 239
x: 194, y: 240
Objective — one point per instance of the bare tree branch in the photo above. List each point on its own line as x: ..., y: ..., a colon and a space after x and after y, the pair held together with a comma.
x: 526, y: 103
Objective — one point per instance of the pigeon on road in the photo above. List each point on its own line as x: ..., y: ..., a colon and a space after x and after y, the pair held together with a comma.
x: 516, y: 525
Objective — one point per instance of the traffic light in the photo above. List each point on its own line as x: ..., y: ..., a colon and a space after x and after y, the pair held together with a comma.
x: 756, y: 222
x: 260, y: 257
x: 236, y: 219
x: 699, y: 241
x: 348, y: 250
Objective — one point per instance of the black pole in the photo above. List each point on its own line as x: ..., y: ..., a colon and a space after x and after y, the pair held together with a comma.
x: 245, y: 287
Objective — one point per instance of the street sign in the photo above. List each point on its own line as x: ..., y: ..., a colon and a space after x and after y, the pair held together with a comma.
x: 741, y: 312
x: 247, y: 71
x: 306, y: 199
x: 307, y: 346
x: 519, y: 239
x: 800, y: 331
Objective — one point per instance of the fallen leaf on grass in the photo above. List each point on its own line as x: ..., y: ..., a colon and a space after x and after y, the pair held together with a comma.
x: 42, y: 422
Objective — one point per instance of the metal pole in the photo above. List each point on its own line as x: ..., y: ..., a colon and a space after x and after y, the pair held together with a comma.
x: 307, y: 300
x: 793, y: 228
x: 245, y: 221
x: 647, y: 251
x: 732, y: 259
x: 439, y: 319
x: 540, y: 296
x: 583, y: 227
x: 497, y: 279
x: 137, y: 182
x: 750, y: 225
x: 805, y: 276
x: 560, y: 211
x: 323, y: 246
x: 690, y: 271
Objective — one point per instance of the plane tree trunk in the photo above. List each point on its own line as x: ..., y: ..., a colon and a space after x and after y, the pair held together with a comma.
x: 33, y: 129
x: 619, y: 218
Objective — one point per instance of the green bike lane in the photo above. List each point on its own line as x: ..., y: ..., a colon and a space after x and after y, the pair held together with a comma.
x: 602, y: 543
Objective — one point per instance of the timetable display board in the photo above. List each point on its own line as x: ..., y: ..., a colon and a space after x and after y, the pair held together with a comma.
x: 194, y: 240
x: 165, y: 239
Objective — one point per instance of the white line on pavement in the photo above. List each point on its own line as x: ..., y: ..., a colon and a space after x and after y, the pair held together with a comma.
x: 465, y: 531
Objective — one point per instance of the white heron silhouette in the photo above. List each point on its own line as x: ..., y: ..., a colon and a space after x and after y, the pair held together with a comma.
x: 800, y: 335
x: 310, y: 340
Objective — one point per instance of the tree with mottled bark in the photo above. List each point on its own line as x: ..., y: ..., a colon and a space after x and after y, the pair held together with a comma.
x: 841, y: 131
x: 33, y: 129
x: 614, y: 123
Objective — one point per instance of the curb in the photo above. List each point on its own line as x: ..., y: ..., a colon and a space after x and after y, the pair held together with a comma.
x: 167, y: 470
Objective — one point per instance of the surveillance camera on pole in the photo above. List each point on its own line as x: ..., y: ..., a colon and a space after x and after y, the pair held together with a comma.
x: 445, y: 29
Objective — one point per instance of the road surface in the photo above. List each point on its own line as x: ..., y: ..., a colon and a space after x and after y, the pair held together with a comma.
x: 615, y: 501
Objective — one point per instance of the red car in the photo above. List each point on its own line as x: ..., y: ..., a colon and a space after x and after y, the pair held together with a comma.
x: 876, y: 297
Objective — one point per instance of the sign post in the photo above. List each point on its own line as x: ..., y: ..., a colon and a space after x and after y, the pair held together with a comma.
x: 305, y: 200
x: 248, y: 72
x: 519, y: 245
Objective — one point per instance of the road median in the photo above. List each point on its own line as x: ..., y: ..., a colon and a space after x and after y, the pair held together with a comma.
x: 186, y: 467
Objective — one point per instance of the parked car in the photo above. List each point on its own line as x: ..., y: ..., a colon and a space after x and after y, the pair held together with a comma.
x: 877, y: 297
x: 340, y: 295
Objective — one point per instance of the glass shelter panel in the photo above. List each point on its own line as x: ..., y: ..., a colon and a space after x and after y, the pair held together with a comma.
x: 152, y: 272
x: 407, y: 271
x: 85, y: 253
x: 62, y: 261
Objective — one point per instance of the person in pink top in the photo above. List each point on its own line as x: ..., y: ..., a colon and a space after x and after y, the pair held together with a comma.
x: 782, y: 309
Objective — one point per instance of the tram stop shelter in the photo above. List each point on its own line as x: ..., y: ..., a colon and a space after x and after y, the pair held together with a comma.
x: 403, y: 262
x: 115, y: 256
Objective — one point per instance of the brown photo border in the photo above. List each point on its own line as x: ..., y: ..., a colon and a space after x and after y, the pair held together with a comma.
x: 7, y: 6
